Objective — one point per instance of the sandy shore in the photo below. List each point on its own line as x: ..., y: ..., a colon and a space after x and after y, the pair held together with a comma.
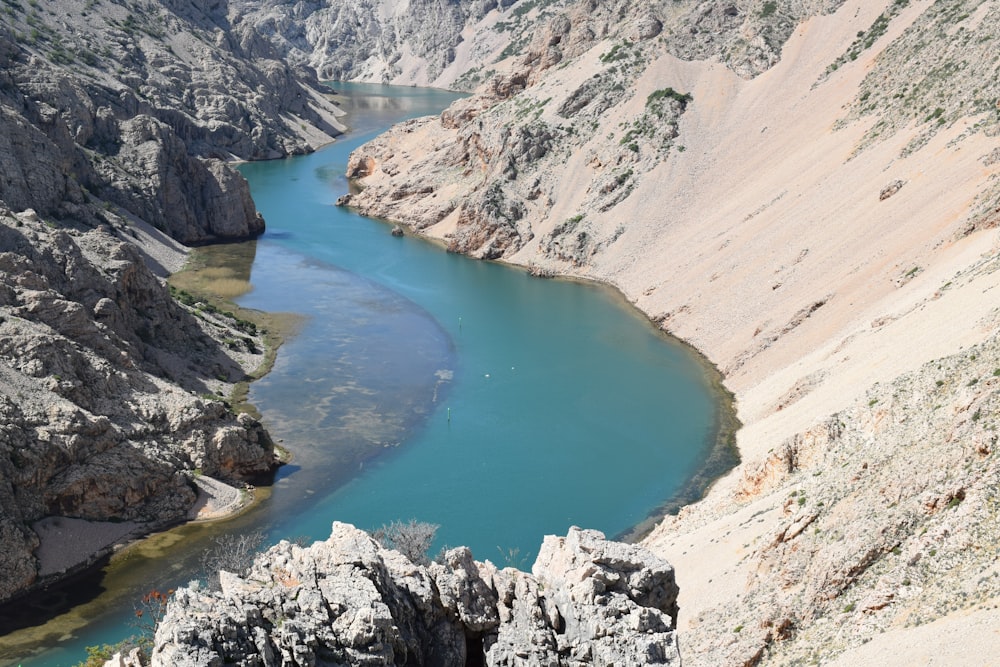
x: 66, y: 543
x: 217, y: 500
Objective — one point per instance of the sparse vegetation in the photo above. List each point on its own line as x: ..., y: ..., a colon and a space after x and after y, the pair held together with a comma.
x: 413, y: 538
x: 149, y: 611
x: 667, y: 93
x: 233, y: 553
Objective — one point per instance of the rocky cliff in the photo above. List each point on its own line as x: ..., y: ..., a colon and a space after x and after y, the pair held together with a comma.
x: 136, y: 107
x: 107, y: 387
x: 423, y: 42
x: 116, y: 120
x: 348, y: 600
x: 807, y: 192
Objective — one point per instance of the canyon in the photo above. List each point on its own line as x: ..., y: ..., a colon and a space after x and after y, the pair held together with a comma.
x: 806, y: 191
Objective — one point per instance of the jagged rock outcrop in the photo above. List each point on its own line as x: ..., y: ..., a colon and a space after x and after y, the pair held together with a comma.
x: 348, y: 600
x: 115, y: 120
x: 101, y: 378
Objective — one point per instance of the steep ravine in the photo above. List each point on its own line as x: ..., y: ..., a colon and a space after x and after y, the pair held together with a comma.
x: 807, y: 192
x: 116, y: 122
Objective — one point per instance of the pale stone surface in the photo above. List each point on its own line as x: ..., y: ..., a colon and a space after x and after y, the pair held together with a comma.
x: 823, y: 229
x: 348, y: 600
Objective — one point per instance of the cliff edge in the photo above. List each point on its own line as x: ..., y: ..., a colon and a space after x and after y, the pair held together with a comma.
x: 349, y: 600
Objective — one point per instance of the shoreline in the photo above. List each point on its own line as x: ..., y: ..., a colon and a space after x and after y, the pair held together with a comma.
x: 722, y: 454
x: 93, y: 541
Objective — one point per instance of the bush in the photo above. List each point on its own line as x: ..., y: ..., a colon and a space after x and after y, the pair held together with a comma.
x: 232, y: 553
x: 413, y: 539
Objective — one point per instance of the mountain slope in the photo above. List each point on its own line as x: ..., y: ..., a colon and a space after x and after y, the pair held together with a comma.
x: 116, y: 120
x: 422, y: 42
x: 820, y: 225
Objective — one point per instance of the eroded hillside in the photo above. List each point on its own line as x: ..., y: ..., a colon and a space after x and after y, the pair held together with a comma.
x: 116, y: 120
x: 807, y: 192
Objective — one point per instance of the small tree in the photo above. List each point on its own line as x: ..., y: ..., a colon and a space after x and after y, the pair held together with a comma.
x: 413, y: 539
x: 232, y: 553
x: 149, y: 611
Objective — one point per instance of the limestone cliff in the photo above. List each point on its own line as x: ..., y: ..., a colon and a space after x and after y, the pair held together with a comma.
x: 807, y: 192
x: 350, y: 601
x: 136, y: 109
x: 423, y: 42
x: 115, y: 122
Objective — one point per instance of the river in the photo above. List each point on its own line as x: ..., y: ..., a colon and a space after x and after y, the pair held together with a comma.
x: 425, y: 385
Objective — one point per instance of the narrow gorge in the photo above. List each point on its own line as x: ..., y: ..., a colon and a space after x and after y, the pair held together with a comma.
x: 804, y: 190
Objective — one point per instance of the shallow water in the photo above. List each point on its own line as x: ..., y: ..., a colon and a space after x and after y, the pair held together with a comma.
x: 426, y: 385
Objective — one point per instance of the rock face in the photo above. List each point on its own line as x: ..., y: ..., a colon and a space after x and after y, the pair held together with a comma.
x: 395, y: 41
x: 348, y: 600
x: 100, y: 376
x: 115, y: 122
x: 135, y: 110
x: 457, y: 43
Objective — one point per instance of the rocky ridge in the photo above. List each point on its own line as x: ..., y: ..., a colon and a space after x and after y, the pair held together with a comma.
x: 116, y: 123
x: 461, y: 43
x: 424, y: 42
x: 349, y: 600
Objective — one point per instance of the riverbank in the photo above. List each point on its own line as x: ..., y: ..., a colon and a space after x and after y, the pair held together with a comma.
x: 824, y: 268
x: 68, y: 545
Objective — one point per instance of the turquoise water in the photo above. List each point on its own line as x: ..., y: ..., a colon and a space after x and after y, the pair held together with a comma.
x: 564, y: 406
x: 430, y: 386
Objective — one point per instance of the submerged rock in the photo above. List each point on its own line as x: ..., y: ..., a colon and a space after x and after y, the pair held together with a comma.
x: 348, y: 600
